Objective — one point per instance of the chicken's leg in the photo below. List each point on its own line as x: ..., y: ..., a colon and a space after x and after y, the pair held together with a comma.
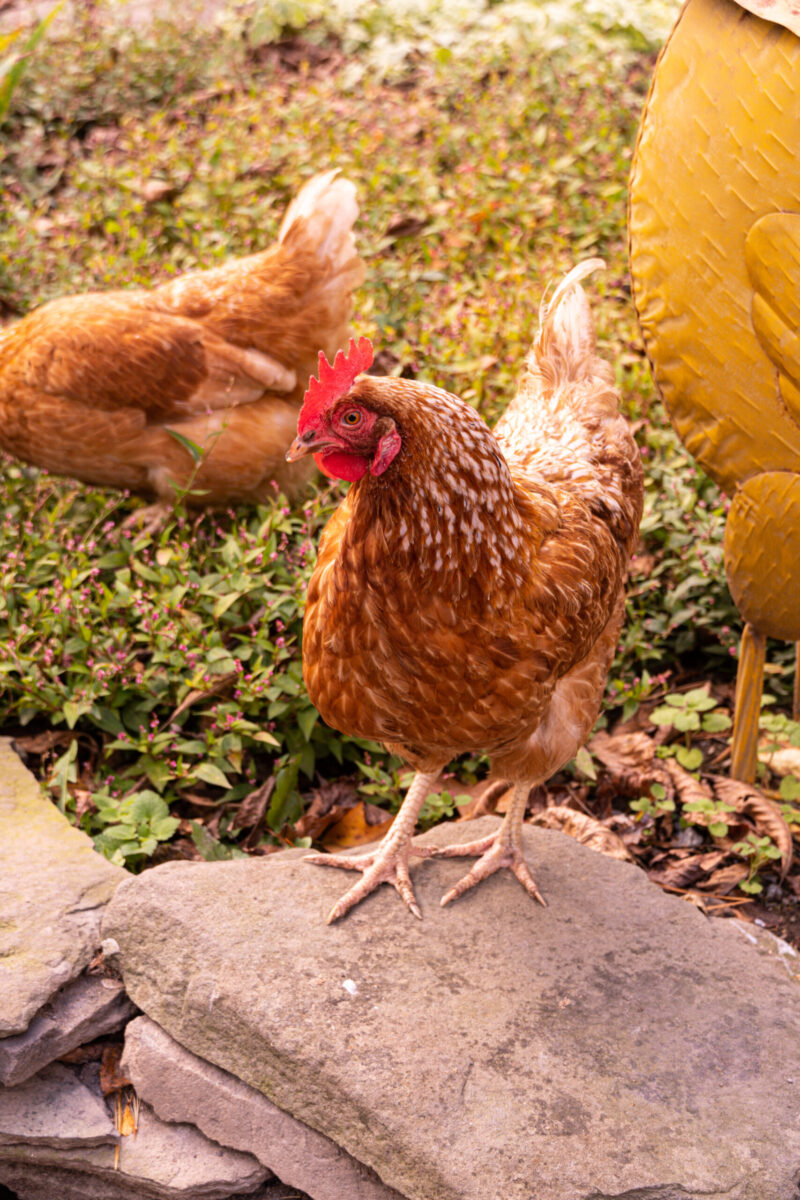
x: 389, y: 863
x: 501, y: 849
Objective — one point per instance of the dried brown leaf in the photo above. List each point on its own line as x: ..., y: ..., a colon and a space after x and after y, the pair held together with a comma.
x: 91, y: 1052
x: 154, y: 190
x: 764, y: 813
x: 685, y: 872
x: 329, y: 803
x: 405, y: 224
x: 199, y: 694
x: 356, y: 829
x: 40, y: 743
x: 585, y: 829
x: 688, y: 788
x: 725, y: 879
x: 83, y: 802
x: 487, y: 801
x: 252, y: 809
x: 112, y: 1078
x: 630, y: 760
x: 780, y: 757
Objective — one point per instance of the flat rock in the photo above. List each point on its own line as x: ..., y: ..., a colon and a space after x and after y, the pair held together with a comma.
x: 56, y: 1110
x: 179, y: 1086
x: 617, y: 1043
x: 85, y: 1009
x: 53, y: 888
x: 163, y: 1162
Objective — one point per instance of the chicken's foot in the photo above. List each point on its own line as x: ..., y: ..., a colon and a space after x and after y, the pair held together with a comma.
x: 501, y: 849
x: 389, y: 863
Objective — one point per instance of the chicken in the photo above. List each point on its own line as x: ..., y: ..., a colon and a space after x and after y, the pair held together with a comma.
x: 715, y: 266
x: 93, y: 386
x: 469, y: 591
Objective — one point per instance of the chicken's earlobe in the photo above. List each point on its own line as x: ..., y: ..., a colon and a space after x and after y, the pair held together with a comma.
x: 387, y: 450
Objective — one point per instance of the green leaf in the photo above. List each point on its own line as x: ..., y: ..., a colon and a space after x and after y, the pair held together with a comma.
x: 163, y: 830
x: 790, y: 788
x: 72, y: 711
x: 210, y: 773
x: 716, y: 722
x: 718, y: 829
x: 686, y: 720
x: 225, y: 602
x: 187, y: 443
x: 210, y: 849
x: 585, y: 763
x: 689, y: 757
x: 156, y: 770
x: 268, y: 738
x: 663, y: 716
x: 147, y: 807
x: 14, y: 66
x: 307, y: 719
x: 284, y: 796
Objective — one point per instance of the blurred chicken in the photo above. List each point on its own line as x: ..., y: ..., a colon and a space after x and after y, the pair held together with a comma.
x: 469, y: 591
x: 715, y: 264
x: 91, y: 386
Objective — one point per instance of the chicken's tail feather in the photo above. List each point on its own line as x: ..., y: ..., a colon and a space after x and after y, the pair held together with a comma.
x: 564, y: 352
x: 320, y: 218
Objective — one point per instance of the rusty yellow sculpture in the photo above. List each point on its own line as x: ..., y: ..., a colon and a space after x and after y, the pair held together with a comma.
x: 715, y: 262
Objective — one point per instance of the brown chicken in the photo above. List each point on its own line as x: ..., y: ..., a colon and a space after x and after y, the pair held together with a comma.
x: 92, y: 385
x: 469, y: 591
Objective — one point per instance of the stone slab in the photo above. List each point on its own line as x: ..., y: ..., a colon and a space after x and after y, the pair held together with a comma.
x: 163, y: 1162
x: 616, y: 1043
x: 50, y: 1183
x: 56, y: 1110
x: 87, y: 1008
x: 179, y: 1086
x: 53, y: 888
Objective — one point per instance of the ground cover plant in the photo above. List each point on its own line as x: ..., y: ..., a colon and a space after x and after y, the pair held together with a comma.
x: 154, y: 681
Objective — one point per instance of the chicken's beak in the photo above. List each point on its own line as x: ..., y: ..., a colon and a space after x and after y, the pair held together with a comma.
x: 306, y: 443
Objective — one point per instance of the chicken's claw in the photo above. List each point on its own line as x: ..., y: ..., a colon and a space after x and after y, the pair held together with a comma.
x: 387, y: 864
x: 496, y: 852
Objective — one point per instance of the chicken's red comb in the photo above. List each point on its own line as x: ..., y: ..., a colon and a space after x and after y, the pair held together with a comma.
x: 334, y: 380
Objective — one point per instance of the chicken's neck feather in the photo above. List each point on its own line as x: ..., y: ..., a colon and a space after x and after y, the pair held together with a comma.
x: 448, y: 510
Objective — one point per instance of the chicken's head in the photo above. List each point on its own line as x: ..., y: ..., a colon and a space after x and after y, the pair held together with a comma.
x: 346, y: 435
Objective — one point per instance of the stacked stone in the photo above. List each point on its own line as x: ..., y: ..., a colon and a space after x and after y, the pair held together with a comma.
x: 616, y: 1043
x: 57, y: 1135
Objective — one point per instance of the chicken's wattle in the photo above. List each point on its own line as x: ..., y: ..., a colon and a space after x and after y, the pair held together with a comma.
x: 338, y: 464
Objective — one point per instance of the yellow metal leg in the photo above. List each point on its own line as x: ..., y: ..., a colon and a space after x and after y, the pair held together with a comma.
x: 796, y: 698
x: 749, y: 688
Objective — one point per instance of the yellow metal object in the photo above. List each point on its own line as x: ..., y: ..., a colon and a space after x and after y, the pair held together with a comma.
x: 715, y: 262
x: 762, y: 553
x: 749, y: 686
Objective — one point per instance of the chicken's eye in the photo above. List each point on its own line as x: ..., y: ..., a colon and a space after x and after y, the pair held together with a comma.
x: 353, y: 417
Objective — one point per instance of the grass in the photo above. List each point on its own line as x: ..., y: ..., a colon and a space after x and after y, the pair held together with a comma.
x: 159, y: 675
